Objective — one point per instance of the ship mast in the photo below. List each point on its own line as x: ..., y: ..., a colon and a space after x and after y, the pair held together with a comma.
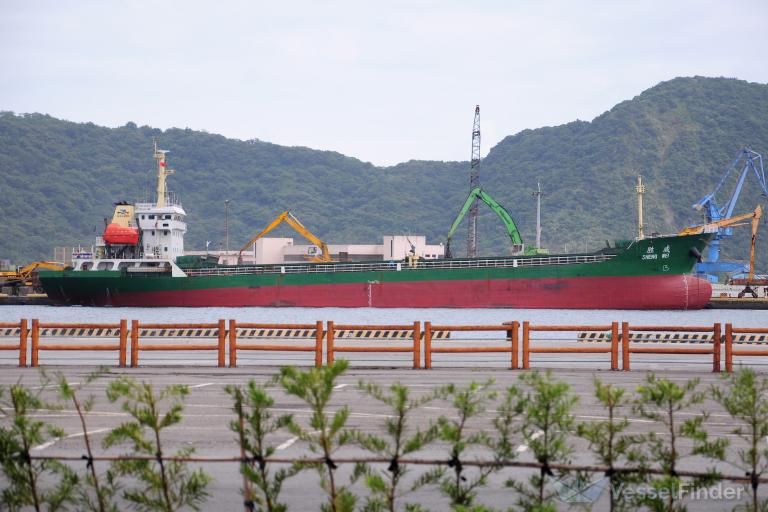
x: 162, y: 172
x: 640, y: 189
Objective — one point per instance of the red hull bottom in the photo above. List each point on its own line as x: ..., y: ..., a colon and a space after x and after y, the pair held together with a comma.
x: 631, y: 292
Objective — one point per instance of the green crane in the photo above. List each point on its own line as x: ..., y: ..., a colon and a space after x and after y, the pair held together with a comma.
x: 506, y: 218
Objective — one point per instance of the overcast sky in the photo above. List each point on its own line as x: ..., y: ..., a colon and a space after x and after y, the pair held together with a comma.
x: 384, y: 81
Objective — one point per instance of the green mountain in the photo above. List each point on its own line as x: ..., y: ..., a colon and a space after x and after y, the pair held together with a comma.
x: 59, y: 179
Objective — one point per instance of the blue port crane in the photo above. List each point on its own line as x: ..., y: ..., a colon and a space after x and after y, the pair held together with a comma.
x: 714, y: 212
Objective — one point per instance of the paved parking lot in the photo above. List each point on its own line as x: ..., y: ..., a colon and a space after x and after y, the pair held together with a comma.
x: 208, y: 413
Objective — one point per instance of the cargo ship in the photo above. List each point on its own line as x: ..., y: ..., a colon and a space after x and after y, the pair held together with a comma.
x: 139, y: 261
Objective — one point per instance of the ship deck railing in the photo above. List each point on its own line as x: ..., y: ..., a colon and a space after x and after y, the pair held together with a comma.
x: 305, y: 268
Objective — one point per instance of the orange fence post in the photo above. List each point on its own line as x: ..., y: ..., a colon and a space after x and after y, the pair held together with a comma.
x: 729, y: 347
x: 625, y: 346
x: 123, y: 342
x: 716, y: 347
x: 428, y: 345
x: 23, y: 334
x: 319, y: 335
x: 222, y: 342
x: 417, y: 344
x: 232, y: 343
x: 614, y: 345
x: 526, y: 346
x: 134, y: 343
x: 35, y: 340
x: 513, y: 336
x: 329, y: 345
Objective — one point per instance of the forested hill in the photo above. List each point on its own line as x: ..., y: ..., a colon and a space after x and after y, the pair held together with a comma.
x: 59, y: 179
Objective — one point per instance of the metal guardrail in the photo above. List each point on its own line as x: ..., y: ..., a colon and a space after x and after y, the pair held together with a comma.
x: 522, y: 261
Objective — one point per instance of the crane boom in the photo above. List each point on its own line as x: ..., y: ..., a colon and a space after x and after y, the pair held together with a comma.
x: 292, y: 221
x: 713, y: 227
x: 506, y: 218
x: 714, y: 212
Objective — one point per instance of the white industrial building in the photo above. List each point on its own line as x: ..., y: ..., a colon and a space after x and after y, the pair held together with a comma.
x: 283, y: 250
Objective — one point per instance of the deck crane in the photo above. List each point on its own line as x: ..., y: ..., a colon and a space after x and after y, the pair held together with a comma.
x: 714, y: 212
x: 292, y: 221
x: 506, y: 218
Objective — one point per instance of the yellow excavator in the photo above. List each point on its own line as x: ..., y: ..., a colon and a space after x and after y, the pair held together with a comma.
x: 26, y: 275
x: 738, y: 220
x: 292, y: 221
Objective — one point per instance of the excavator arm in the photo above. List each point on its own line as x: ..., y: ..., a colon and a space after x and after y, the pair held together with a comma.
x: 292, y: 221
x: 506, y: 218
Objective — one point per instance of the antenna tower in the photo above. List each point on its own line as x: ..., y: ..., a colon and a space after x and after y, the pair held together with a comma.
x: 474, y: 182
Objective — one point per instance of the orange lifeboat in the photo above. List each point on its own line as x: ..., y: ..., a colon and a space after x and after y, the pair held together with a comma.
x: 115, y: 234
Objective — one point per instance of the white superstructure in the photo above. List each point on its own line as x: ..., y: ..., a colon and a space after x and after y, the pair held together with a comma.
x: 160, y: 227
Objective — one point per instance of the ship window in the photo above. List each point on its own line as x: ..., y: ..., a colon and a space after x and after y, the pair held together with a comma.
x: 153, y: 232
x: 142, y: 216
x: 151, y: 216
x: 166, y: 216
x: 165, y: 233
x: 165, y: 249
x: 165, y: 224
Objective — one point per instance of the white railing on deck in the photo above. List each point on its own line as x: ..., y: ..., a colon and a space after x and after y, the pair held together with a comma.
x: 305, y: 268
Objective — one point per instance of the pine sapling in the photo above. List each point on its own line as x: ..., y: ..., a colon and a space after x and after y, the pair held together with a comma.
x: 746, y: 399
x: 468, y: 403
x: 95, y: 495
x: 326, y: 432
x: 546, y: 410
x: 254, y: 423
x: 20, y: 434
x: 166, y: 485
x: 612, y: 446
x: 661, y: 400
x: 401, y: 440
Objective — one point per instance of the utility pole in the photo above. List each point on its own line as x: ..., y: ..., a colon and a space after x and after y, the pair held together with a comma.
x: 474, y: 182
x: 640, y: 189
x: 226, y: 227
x: 537, y: 194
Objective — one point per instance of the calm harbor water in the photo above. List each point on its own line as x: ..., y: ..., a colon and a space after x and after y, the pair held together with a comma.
x: 743, y: 318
